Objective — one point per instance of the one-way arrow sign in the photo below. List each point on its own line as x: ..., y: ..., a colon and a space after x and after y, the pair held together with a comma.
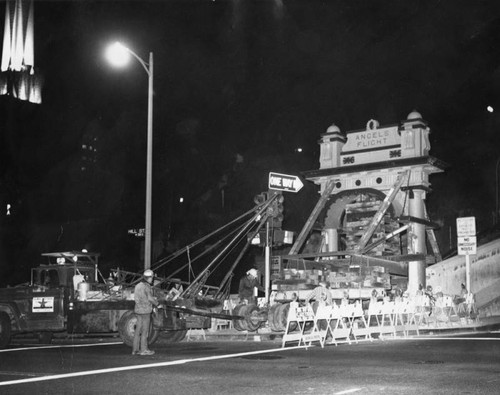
x: 284, y: 182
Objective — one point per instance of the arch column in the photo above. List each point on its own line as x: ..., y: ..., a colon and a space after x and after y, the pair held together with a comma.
x: 332, y: 240
x: 416, y: 241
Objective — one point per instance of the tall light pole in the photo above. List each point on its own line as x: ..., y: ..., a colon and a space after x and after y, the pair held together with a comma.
x: 496, y: 191
x: 118, y: 55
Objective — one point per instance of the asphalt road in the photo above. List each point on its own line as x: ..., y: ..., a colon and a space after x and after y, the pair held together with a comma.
x: 460, y: 364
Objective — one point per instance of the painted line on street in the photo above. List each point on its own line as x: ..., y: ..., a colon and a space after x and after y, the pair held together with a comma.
x: 145, y: 366
x: 351, y: 391
x: 442, y: 338
x: 58, y: 346
x: 6, y: 373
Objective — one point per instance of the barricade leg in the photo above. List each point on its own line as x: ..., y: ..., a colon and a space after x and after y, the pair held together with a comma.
x: 360, y: 328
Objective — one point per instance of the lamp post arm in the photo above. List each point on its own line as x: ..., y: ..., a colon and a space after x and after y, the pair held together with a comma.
x: 148, y: 67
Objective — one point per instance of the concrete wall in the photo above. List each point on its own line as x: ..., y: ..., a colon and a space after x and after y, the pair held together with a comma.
x: 484, y: 271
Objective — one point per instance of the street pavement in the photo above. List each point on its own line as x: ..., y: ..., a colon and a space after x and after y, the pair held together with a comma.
x: 456, y: 363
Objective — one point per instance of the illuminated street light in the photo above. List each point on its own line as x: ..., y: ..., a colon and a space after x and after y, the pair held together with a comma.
x: 119, y: 55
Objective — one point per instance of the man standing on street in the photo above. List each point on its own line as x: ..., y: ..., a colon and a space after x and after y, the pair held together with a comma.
x: 144, y: 302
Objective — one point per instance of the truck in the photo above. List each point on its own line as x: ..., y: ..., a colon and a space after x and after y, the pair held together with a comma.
x: 68, y: 294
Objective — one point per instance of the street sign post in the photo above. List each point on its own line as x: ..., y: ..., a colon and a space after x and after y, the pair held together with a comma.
x: 278, y: 182
x: 466, y: 243
x: 284, y: 182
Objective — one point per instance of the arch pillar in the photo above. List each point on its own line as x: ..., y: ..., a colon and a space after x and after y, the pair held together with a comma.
x: 332, y: 240
x: 416, y: 241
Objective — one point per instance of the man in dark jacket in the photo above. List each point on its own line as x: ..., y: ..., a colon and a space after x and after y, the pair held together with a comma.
x: 247, y: 285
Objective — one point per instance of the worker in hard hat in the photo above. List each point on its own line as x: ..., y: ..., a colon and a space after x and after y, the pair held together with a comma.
x: 247, y: 285
x: 320, y: 294
x: 144, y: 302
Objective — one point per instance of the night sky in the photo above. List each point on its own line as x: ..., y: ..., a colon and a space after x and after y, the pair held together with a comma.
x: 239, y: 86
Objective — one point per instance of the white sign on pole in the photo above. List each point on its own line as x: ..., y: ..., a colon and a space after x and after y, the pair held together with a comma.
x: 466, y: 226
x: 467, y: 245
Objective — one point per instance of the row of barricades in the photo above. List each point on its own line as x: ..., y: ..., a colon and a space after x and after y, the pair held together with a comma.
x: 445, y: 310
x: 349, y: 322
x: 328, y: 324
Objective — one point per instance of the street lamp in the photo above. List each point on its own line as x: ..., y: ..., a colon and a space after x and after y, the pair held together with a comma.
x: 119, y: 55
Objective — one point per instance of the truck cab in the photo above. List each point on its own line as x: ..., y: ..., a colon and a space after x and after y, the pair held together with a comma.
x: 66, y: 270
x: 42, y: 305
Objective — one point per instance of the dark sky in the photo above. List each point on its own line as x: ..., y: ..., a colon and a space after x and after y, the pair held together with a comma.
x: 259, y: 79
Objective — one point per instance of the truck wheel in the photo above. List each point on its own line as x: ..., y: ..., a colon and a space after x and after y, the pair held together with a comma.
x: 174, y: 336
x: 4, y: 330
x: 252, y: 318
x: 126, y: 329
x: 181, y: 335
x: 240, y: 325
x: 281, y: 318
x: 45, y: 337
x: 270, y: 317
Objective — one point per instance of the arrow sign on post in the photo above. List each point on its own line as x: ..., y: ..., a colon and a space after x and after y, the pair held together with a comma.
x: 284, y: 182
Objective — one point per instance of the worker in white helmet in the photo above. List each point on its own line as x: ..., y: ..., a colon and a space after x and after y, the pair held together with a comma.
x: 247, y: 285
x: 144, y: 302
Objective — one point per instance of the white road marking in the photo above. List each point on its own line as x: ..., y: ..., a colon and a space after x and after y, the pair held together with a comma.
x: 349, y: 391
x: 145, y: 366
x: 5, y: 373
x: 442, y: 338
x: 59, y: 346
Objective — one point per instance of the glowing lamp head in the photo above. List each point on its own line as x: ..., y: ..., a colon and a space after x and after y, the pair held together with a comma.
x: 118, y: 55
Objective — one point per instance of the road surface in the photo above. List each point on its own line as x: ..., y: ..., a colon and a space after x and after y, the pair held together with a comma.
x: 466, y: 363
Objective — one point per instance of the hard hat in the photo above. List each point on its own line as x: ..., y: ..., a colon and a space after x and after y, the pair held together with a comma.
x: 148, y: 273
x: 252, y: 272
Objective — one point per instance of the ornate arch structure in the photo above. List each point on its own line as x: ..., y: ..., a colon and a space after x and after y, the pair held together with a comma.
x: 365, y: 166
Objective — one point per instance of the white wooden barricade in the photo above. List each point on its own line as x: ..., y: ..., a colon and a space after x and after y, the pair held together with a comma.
x: 374, y: 315
x: 470, y: 303
x: 357, y: 321
x: 300, y: 322
x: 331, y: 324
x: 422, y: 309
x: 411, y: 319
x: 451, y: 308
x: 322, y: 320
x: 387, y: 318
x: 338, y: 327
x: 398, y: 317
x: 405, y: 320
x: 440, y: 313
